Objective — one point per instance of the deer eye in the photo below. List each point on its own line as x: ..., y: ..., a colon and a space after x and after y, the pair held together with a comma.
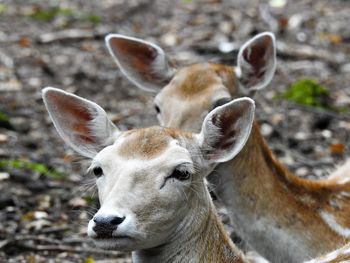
x: 98, y: 172
x: 180, y: 175
x: 156, y: 107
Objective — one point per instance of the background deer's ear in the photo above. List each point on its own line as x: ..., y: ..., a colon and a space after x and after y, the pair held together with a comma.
x: 226, y: 129
x: 256, y: 62
x: 143, y: 63
x: 82, y: 124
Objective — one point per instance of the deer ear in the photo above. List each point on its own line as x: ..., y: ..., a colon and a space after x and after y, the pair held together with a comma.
x: 256, y: 63
x: 226, y: 129
x: 82, y: 124
x: 143, y: 63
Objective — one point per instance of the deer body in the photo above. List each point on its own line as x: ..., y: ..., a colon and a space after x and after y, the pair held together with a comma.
x: 285, y: 218
x: 280, y: 215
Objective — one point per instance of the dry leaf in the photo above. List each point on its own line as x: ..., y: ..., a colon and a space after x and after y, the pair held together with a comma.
x: 24, y: 42
x: 337, y: 148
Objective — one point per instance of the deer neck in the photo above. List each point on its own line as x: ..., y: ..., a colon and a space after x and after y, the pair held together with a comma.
x: 266, y: 203
x: 200, y: 238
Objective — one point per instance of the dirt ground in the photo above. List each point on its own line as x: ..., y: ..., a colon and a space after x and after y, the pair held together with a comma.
x: 45, y: 198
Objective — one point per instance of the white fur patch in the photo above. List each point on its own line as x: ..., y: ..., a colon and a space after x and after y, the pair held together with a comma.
x: 342, y: 174
x: 332, y: 223
x: 332, y: 256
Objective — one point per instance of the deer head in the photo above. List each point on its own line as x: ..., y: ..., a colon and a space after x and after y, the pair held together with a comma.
x: 150, y: 181
x: 187, y: 94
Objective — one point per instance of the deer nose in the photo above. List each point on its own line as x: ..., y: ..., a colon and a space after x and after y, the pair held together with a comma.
x: 105, y: 225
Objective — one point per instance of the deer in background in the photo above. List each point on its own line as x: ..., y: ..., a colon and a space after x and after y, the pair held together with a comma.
x: 150, y: 181
x: 284, y: 217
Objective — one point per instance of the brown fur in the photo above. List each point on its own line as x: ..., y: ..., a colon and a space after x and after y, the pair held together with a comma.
x: 294, y: 203
x: 270, y: 189
x: 217, y: 240
x: 148, y: 143
x: 339, y: 255
x: 200, y: 79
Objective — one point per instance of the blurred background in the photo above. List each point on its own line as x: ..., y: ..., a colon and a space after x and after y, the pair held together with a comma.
x: 45, y: 198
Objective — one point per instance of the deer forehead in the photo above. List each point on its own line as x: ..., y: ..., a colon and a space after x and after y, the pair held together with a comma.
x: 143, y: 146
x: 199, y: 79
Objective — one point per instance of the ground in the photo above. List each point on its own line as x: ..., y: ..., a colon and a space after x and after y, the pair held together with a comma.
x: 46, y: 199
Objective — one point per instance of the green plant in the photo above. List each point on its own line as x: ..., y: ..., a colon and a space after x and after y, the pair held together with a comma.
x: 307, y: 92
x: 32, y: 166
x: 49, y: 14
x: 3, y: 8
x: 4, y: 117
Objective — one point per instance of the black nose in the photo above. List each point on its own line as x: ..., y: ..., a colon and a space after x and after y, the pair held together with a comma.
x: 105, y: 225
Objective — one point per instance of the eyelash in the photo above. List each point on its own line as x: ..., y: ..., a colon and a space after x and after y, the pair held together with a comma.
x: 181, y: 175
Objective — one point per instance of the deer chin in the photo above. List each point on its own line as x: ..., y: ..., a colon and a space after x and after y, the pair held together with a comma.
x: 120, y: 243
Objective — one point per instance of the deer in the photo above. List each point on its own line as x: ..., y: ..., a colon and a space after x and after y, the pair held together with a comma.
x: 150, y: 181
x: 283, y: 217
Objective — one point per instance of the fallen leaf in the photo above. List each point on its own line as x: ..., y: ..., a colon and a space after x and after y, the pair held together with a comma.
x: 337, y: 148
x: 24, y: 42
x: 89, y: 260
x: 333, y: 38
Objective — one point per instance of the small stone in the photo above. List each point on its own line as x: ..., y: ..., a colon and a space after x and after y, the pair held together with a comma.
x: 345, y: 68
x: 277, y: 118
x: 35, y: 82
x: 38, y: 224
x: 277, y: 3
x: 266, y: 129
x: 169, y: 39
x: 4, y: 176
x: 301, y: 136
x: 21, y: 124
x: 3, y: 138
x: 327, y: 134
x: 302, y: 171
x: 287, y: 159
x: 226, y: 27
x: 301, y: 36
x: 40, y: 214
x: 345, y: 125
x: 44, y: 202
x: 77, y: 202
x: 226, y: 47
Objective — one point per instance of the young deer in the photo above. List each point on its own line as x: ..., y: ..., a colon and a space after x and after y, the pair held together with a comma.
x: 285, y: 218
x: 150, y: 181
